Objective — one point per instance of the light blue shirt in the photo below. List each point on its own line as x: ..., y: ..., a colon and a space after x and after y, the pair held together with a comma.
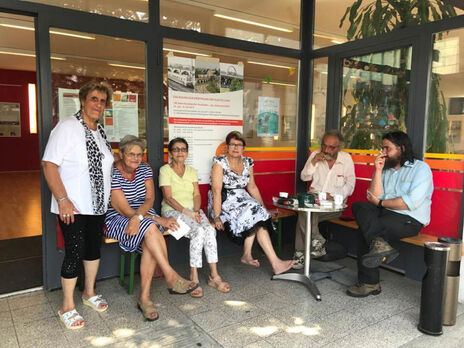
x: 413, y: 183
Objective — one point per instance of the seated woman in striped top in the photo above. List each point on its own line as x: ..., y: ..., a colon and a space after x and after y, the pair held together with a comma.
x: 132, y: 220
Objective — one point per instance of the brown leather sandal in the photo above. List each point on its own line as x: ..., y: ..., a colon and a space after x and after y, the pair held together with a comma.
x: 219, y: 284
x: 182, y: 287
x: 147, y: 309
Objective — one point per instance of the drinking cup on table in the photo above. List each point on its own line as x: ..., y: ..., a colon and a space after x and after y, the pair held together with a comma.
x: 322, y: 196
x: 301, y: 200
x: 338, y: 199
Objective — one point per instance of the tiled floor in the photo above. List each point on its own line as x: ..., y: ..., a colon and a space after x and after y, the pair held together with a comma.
x: 257, y: 312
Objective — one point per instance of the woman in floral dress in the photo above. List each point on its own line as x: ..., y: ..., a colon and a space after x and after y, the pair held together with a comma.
x: 236, y: 206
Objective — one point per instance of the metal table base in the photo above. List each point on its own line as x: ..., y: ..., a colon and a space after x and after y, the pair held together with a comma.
x: 307, y: 278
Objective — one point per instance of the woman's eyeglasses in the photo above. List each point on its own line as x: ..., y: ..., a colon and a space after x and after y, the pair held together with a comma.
x: 134, y: 155
x: 236, y: 145
x: 179, y: 149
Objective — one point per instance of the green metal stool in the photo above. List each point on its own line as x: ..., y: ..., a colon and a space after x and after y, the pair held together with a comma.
x: 130, y: 285
x: 277, y: 215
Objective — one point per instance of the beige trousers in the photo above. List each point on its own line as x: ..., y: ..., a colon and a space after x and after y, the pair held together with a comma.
x: 300, y: 233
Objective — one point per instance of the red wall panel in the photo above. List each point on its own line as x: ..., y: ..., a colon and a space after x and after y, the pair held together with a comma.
x: 22, y: 152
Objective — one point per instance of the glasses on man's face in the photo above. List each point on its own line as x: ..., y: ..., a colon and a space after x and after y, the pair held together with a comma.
x: 236, y: 145
x: 179, y: 149
x: 329, y: 147
x: 134, y: 155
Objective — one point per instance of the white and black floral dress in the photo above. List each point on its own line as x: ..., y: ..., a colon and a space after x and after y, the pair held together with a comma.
x: 241, y: 214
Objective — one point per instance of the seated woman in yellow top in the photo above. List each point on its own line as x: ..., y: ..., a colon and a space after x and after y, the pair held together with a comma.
x: 181, y: 199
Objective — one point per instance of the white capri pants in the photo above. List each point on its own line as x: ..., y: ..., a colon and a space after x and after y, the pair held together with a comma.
x: 202, y: 236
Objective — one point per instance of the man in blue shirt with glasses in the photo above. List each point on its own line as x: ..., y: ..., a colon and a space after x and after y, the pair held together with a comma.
x: 399, y: 201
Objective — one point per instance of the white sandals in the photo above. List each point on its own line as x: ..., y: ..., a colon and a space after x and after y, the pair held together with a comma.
x: 95, y: 302
x: 69, y: 318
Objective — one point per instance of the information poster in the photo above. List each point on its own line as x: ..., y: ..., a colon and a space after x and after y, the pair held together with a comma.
x: 123, y: 119
x: 201, y: 109
x: 68, y: 102
x: 268, y: 117
x: 10, y: 120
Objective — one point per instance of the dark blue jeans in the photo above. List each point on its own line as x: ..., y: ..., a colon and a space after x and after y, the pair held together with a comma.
x: 373, y: 222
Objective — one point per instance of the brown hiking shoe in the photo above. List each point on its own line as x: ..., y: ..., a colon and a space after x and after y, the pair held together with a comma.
x: 380, y: 252
x: 363, y: 290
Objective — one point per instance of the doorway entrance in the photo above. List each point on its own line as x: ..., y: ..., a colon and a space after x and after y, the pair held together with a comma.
x: 20, y: 207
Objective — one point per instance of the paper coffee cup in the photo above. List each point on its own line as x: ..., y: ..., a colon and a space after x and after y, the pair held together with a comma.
x: 322, y: 196
x: 338, y: 199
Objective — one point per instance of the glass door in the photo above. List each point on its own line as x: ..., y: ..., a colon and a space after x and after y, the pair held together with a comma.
x: 20, y: 207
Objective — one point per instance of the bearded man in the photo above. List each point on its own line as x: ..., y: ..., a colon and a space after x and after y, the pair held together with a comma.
x: 330, y: 170
x: 399, y: 201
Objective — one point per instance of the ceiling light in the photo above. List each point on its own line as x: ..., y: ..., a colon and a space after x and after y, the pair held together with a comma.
x: 87, y: 37
x: 186, y: 52
x: 280, y: 84
x: 338, y: 42
x: 253, y: 23
x: 333, y: 38
x: 56, y: 32
x: 25, y: 54
x: 268, y: 64
x: 127, y: 66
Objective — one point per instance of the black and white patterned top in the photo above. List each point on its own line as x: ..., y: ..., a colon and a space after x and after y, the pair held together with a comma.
x: 239, y: 212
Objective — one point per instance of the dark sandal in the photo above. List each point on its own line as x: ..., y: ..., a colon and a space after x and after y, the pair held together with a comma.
x: 218, y: 284
x: 181, y: 287
x: 147, y: 309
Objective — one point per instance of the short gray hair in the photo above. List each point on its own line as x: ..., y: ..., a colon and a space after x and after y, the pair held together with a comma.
x: 129, y: 141
x: 334, y: 133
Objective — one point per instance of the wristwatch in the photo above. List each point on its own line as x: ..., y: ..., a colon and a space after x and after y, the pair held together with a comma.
x: 380, y: 203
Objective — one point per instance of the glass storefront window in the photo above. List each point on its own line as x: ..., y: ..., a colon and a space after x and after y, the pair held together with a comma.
x: 270, y: 22
x: 445, y: 126
x: 263, y: 76
x: 135, y: 10
x: 119, y: 62
x: 375, y: 96
x: 329, y: 29
x: 319, y: 103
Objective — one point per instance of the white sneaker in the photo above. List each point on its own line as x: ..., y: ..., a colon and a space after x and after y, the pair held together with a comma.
x: 299, y: 257
x: 318, y: 248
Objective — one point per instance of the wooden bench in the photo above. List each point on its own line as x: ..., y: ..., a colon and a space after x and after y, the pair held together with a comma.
x: 418, y: 240
x: 129, y: 286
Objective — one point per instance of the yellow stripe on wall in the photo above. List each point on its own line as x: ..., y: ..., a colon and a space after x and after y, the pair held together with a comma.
x: 444, y: 156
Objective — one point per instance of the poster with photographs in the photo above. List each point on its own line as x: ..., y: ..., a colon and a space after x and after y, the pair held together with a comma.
x: 68, y: 102
x: 181, y: 74
x: 205, y: 114
x: 268, y: 116
x: 207, y: 75
x: 231, y: 77
x: 10, y: 120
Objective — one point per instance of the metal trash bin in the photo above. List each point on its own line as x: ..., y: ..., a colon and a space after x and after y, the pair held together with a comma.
x: 433, y: 288
x: 452, y: 279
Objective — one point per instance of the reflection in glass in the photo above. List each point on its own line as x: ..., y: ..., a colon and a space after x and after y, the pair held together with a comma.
x: 134, y: 10
x: 117, y: 61
x: 270, y: 22
x: 337, y: 21
x: 375, y: 96
x: 446, y: 98
x: 318, y: 107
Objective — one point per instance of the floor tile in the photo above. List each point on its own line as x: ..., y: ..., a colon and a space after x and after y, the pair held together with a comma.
x: 27, y: 300
x: 32, y: 313
x: 248, y: 331
x: 8, y: 338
